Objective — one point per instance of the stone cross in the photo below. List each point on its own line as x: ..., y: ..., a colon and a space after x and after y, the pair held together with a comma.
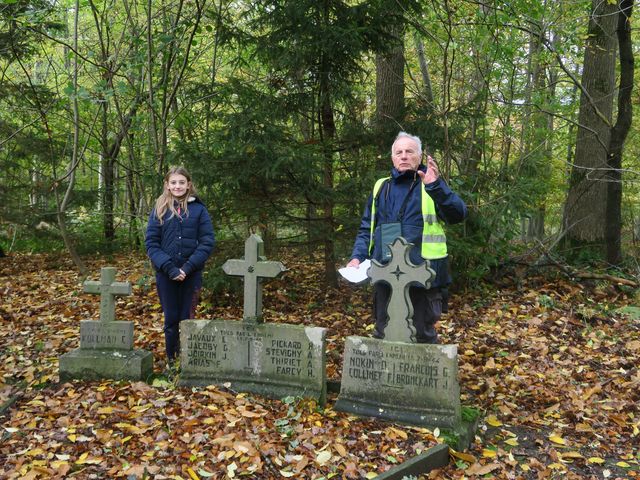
x: 400, y: 273
x: 108, y: 289
x: 254, y: 268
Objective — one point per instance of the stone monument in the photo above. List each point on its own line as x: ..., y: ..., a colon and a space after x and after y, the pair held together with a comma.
x: 275, y: 360
x: 106, y: 346
x: 397, y: 379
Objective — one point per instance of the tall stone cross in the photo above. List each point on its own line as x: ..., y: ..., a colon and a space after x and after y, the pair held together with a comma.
x: 108, y: 289
x: 400, y: 273
x: 254, y: 268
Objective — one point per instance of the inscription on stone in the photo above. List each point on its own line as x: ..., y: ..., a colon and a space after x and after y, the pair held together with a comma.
x: 271, y: 359
x: 106, y: 335
x: 413, y: 383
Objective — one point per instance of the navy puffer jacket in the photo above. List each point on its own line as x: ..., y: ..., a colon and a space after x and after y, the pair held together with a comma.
x: 181, y: 242
x: 449, y: 207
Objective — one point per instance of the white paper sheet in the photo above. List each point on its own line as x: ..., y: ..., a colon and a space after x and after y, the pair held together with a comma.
x: 356, y: 275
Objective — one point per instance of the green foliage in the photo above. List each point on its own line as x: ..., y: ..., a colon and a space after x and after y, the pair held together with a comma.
x: 241, y: 93
x: 470, y: 414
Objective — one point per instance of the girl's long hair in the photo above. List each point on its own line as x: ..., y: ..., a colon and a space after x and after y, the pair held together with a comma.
x: 167, y: 201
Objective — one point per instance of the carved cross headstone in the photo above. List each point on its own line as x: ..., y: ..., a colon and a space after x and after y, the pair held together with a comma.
x: 108, y: 289
x: 106, y: 345
x: 254, y: 268
x: 400, y: 273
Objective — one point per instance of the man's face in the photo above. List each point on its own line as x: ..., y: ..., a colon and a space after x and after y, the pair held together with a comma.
x: 405, y: 155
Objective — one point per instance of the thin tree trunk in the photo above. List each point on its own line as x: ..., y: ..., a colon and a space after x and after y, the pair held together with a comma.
x: 62, y: 204
x: 619, y: 134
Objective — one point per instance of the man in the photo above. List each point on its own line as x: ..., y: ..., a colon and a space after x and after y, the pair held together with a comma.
x: 397, y: 207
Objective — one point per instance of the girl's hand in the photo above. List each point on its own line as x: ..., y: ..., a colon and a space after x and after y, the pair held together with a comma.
x: 180, y: 277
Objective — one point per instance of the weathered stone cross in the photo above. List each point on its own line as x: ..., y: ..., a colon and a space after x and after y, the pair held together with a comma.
x: 400, y: 273
x: 108, y: 289
x: 254, y: 268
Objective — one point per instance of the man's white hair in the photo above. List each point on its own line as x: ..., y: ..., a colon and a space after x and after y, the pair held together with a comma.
x: 412, y: 137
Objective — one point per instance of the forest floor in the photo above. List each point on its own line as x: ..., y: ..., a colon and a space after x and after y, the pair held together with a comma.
x: 551, y: 363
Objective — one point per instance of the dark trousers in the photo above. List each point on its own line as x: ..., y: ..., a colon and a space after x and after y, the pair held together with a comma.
x: 427, y: 310
x: 179, y: 301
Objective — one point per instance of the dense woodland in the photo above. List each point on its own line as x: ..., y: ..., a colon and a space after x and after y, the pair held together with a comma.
x: 284, y: 111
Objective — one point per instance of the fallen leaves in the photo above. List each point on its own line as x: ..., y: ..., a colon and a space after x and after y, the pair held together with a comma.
x: 554, y: 365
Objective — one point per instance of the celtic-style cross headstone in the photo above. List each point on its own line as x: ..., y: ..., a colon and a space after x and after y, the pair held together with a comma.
x: 254, y: 268
x: 108, y: 289
x: 400, y: 273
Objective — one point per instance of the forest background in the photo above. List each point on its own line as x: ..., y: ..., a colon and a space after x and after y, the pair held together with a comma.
x: 284, y: 111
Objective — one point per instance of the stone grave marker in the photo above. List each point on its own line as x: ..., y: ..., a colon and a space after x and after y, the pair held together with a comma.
x: 400, y: 274
x: 106, y: 346
x: 253, y: 268
x: 397, y: 379
x: 274, y: 360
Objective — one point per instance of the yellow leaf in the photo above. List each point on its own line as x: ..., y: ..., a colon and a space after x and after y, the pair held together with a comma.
x: 623, y: 465
x: 340, y: 449
x: 597, y: 460
x: 512, y: 441
x: 371, y: 475
x: 401, y: 433
x: 493, y: 421
x: 192, y: 474
x: 105, y: 410
x: 72, y: 438
x: 557, y: 439
x: 488, y: 453
x: 571, y: 455
x: 463, y: 456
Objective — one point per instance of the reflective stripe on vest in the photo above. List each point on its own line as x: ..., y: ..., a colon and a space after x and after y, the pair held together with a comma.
x: 434, y: 240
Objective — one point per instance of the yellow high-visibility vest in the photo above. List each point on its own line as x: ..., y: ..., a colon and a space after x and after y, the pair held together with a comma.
x: 434, y: 240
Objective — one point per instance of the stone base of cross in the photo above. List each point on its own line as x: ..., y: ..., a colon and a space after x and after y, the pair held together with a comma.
x: 254, y: 268
x: 400, y: 273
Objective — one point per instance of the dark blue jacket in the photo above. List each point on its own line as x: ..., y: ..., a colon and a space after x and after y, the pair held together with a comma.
x: 449, y: 207
x: 183, y: 242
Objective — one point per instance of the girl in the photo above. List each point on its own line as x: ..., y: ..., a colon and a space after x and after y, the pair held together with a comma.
x: 179, y: 240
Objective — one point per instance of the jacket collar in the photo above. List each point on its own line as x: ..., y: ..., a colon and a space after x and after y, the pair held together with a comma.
x: 409, y: 174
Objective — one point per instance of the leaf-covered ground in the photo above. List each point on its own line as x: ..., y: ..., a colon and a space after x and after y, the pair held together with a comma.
x: 552, y: 364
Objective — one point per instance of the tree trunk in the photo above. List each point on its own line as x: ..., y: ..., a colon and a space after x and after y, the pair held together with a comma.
x: 424, y: 72
x: 328, y: 129
x: 62, y: 204
x: 619, y: 134
x: 390, y: 107
x: 585, y: 206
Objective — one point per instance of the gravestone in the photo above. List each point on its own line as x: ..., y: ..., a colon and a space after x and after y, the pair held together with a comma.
x: 253, y: 268
x: 397, y: 379
x: 274, y: 360
x: 106, y: 346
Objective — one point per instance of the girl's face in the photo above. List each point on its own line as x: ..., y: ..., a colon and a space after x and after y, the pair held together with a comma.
x: 177, y: 185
